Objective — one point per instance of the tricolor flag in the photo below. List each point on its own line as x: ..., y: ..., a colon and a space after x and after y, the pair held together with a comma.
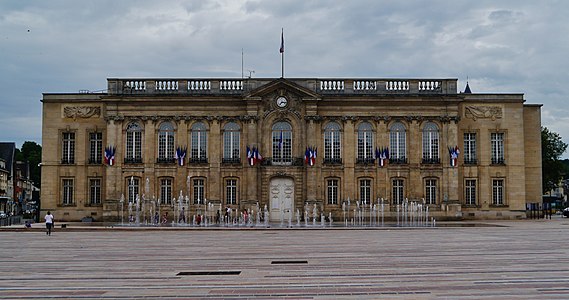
x: 180, y: 155
x: 453, y: 153
x: 281, y: 140
x: 257, y: 156
x: 110, y: 155
x: 382, y: 155
x: 310, y: 156
x: 314, y: 153
x: 250, y: 158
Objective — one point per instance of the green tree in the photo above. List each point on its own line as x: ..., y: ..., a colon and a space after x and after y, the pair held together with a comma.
x: 31, y: 152
x: 553, y: 169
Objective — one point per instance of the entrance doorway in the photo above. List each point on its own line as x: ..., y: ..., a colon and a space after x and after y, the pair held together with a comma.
x: 281, y: 199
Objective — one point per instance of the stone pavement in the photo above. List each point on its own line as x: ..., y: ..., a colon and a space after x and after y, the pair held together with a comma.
x: 513, y: 260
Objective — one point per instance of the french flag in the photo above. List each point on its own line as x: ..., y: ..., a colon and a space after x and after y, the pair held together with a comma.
x: 250, y: 157
x: 110, y: 155
x: 180, y: 155
x: 256, y: 156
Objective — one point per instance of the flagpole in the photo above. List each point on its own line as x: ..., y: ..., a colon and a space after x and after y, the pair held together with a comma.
x: 282, y: 52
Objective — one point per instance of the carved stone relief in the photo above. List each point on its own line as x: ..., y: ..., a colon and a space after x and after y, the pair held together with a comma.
x: 81, y: 111
x: 482, y: 112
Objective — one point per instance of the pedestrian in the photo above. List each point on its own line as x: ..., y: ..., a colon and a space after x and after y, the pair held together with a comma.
x: 156, y: 218
x: 165, y: 218
x: 48, y: 222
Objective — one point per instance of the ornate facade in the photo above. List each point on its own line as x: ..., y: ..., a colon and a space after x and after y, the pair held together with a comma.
x: 322, y: 141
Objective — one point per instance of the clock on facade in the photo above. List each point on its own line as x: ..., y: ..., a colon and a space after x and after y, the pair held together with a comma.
x: 282, y: 102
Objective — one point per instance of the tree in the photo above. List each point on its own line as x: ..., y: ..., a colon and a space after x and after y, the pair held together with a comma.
x: 553, y: 169
x: 31, y: 152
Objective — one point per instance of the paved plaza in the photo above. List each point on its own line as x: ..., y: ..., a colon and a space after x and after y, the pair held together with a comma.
x: 501, y: 260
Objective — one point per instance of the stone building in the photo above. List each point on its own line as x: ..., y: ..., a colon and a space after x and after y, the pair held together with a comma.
x: 369, y: 140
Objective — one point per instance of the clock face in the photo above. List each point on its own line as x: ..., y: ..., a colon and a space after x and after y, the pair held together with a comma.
x: 282, y: 102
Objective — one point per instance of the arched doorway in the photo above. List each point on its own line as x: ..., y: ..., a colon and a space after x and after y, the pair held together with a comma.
x: 281, y: 199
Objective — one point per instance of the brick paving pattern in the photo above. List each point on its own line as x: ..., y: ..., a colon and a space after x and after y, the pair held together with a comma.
x: 514, y: 260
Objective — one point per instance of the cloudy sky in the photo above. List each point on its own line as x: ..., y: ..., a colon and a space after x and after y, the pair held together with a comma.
x: 66, y: 46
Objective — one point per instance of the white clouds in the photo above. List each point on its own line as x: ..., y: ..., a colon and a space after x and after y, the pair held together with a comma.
x: 505, y: 46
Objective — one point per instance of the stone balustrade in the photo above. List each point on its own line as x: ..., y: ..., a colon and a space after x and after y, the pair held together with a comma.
x: 330, y: 86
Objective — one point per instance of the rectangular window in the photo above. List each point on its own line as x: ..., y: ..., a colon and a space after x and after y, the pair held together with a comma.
x: 498, y: 191
x: 199, y: 191
x: 165, y: 191
x: 397, y: 191
x: 470, y: 148
x: 133, y: 188
x: 332, y: 187
x: 497, y: 143
x: 68, y: 148
x: 431, y: 191
x: 95, y: 191
x: 67, y: 197
x: 470, y: 192
x: 231, y: 191
x: 365, y: 191
x: 95, y: 147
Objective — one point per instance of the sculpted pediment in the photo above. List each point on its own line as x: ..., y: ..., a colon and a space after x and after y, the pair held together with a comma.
x: 280, y: 85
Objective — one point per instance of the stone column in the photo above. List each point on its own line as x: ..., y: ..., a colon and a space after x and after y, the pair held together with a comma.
x: 449, y: 138
x: 415, y: 156
x: 349, y: 159
x: 311, y: 180
x: 215, y: 152
x: 113, y: 183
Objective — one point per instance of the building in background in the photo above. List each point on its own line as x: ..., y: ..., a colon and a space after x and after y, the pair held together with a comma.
x: 289, y: 144
x: 7, y: 160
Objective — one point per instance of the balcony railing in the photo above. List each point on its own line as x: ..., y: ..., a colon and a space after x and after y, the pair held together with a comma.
x: 431, y: 161
x: 198, y: 160
x: 67, y: 161
x: 95, y: 161
x: 293, y: 161
x: 498, y: 161
x: 332, y: 161
x: 365, y: 161
x: 471, y: 161
x: 398, y: 161
x: 133, y: 160
x: 199, y: 86
x: 231, y: 161
x: 165, y: 160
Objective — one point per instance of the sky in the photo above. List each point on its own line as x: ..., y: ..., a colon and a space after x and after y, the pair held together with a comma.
x: 64, y: 46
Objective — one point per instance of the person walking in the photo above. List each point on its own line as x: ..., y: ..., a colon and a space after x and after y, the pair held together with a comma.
x: 48, y: 222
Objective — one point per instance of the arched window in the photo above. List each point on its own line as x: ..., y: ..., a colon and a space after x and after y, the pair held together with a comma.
x: 199, y: 143
x: 231, y: 136
x: 133, y: 153
x: 282, y: 143
x: 332, y: 143
x: 431, y: 143
x: 397, y: 143
x: 166, y: 142
x: 365, y: 143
